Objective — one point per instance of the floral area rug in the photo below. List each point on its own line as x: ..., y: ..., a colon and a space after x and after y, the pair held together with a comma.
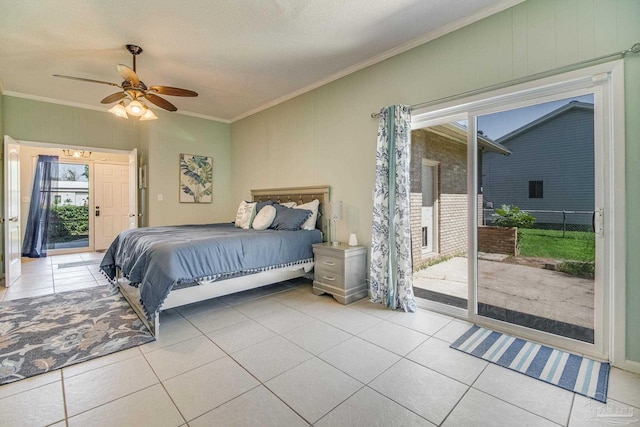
x: 46, y: 333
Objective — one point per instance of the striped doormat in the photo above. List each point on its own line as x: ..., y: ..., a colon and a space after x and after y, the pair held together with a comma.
x: 569, y: 371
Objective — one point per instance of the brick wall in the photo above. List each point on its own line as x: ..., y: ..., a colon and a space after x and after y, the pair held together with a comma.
x: 498, y: 240
x: 451, y: 192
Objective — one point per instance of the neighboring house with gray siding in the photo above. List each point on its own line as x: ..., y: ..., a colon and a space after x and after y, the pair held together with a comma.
x: 551, y: 166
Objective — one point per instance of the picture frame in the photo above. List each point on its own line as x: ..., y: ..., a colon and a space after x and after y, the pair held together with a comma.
x: 196, y: 178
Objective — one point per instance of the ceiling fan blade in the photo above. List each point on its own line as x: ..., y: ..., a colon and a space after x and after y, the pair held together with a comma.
x: 87, y: 80
x: 128, y: 74
x: 113, y: 97
x: 162, y: 103
x: 172, y: 91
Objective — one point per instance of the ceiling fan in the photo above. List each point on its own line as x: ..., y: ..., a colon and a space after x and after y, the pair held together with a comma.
x: 134, y: 90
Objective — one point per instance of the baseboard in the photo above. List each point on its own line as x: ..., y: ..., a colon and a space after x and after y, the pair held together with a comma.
x: 632, y: 366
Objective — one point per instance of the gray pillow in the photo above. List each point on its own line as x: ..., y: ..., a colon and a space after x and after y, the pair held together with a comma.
x: 261, y: 205
x: 289, y: 218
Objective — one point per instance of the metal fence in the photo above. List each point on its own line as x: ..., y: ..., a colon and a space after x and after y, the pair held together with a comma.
x: 565, y: 220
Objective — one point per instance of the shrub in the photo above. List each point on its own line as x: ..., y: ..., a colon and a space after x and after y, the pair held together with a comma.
x: 508, y: 216
x: 67, y: 221
x: 580, y: 269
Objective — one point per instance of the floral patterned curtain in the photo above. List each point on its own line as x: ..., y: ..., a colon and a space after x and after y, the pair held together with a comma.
x: 391, y: 269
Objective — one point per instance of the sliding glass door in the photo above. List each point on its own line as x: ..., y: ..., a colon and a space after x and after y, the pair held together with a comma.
x: 536, y: 234
x: 539, y: 221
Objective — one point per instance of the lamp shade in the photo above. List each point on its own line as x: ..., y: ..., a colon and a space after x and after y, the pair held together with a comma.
x: 148, y: 115
x: 119, y: 110
x: 135, y: 108
x: 334, y: 210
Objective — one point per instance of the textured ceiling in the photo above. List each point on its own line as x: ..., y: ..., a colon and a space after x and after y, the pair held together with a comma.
x: 240, y: 56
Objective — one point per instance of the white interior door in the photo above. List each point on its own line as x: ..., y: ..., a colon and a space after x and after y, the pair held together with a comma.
x: 111, y: 202
x: 12, y: 249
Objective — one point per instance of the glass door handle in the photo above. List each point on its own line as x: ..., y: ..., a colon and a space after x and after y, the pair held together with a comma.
x: 598, y: 222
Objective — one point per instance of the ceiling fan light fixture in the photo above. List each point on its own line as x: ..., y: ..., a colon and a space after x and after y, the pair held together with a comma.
x: 135, y: 108
x: 133, y: 90
x: 119, y: 110
x: 148, y: 115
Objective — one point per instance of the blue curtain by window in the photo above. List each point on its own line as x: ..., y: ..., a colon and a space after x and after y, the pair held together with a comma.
x: 391, y: 269
x: 37, y: 229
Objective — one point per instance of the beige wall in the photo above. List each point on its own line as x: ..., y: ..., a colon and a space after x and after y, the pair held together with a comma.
x: 327, y: 137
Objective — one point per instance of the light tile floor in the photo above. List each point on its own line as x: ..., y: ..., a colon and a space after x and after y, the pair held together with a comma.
x: 282, y: 356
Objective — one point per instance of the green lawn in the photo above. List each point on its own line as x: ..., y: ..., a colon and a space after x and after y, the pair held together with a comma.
x: 575, y: 246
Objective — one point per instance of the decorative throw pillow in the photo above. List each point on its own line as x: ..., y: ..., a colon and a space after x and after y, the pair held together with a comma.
x: 288, y: 218
x: 264, y: 218
x: 246, y: 213
x: 310, y: 223
x: 261, y: 205
x: 289, y: 204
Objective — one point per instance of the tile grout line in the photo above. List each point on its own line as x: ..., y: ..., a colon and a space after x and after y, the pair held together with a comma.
x: 473, y: 384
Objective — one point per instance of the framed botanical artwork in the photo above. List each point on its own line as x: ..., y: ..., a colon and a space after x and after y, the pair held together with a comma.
x: 196, y: 179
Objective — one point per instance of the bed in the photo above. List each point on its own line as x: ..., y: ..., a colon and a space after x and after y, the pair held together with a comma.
x: 159, y: 268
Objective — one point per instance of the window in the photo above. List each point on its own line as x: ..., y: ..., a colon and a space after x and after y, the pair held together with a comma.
x: 425, y: 237
x: 535, y: 189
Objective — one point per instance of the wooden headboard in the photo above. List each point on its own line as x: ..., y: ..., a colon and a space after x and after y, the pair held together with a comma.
x: 299, y: 195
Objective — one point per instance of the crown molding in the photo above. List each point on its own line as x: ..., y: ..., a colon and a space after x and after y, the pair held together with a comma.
x: 96, y: 108
x: 425, y: 38
x: 202, y: 116
x: 53, y: 100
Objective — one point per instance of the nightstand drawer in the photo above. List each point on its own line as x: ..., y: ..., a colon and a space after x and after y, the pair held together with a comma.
x: 329, y: 277
x: 328, y: 263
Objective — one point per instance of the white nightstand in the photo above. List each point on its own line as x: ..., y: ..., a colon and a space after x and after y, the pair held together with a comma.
x: 340, y: 271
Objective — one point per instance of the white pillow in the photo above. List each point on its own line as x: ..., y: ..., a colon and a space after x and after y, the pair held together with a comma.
x: 289, y: 204
x: 264, y: 218
x: 310, y: 223
x: 246, y: 213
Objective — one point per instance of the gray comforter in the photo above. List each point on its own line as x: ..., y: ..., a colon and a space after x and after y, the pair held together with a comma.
x: 158, y: 258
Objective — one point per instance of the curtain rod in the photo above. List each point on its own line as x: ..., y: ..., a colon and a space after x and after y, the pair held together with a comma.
x: 571, y: 67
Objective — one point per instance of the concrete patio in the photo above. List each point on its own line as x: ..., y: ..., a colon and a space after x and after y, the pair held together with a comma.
x: 544, y: 293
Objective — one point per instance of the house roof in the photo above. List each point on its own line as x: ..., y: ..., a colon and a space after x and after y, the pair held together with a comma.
x: 573, y: 105
x: 240, y: 56
x: 458, y: 132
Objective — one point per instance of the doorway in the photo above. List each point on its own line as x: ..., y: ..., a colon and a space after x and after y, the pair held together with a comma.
x: 69, y: 210
x: 542, y: 220
x: 74, y: 202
